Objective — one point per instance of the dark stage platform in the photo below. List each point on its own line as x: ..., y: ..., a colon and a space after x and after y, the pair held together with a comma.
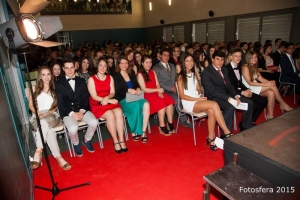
x: 271, y: 150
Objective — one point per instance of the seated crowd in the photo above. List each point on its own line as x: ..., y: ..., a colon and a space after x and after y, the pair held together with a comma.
x: 92, y: 83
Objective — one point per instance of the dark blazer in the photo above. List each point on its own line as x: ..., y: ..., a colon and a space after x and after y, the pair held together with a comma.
x: 214, y: 86
x: 287, y: 71
x: 237, y: 84
x: 165, y: 81
x: 69, y: 100
x: 276, y: 56
x: 121, y: 87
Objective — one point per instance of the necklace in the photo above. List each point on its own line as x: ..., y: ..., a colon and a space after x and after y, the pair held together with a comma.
x: 98, y: 77
x: 189, y: 76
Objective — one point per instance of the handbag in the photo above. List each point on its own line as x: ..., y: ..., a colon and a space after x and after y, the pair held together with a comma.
x: 134, y: 97
x: 52, y: 119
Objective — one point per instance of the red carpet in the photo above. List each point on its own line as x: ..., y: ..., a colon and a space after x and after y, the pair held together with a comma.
x: 164, y: 168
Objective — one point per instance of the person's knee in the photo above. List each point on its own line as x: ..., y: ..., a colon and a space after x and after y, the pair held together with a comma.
x: 72, y: 129
x: 146, y: 106
x: 93, y: 123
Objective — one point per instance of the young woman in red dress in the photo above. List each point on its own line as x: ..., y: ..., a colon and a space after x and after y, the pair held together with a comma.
x: 103, y: 105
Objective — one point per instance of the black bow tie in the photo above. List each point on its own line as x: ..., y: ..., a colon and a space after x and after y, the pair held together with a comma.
x: 235, y: 68
x: 71, y: 79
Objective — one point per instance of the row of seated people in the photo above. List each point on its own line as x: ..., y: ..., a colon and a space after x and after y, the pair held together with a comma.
x: 104, y: 96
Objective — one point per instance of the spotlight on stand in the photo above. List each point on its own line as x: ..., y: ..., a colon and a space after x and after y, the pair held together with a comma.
x: 25, y: 29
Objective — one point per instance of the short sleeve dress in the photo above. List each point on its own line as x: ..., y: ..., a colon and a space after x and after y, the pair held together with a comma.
x: 156, y: 103
x: 103, y: 89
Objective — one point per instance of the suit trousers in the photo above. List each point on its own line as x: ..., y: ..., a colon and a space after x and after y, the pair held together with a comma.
x: 259, y: 103
x: 49, y: 137
x: 72, y: 126
x: 228, y: 110
x: 174, y: 96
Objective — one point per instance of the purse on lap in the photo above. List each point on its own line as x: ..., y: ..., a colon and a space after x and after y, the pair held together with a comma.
x: 52, y: 119
x: 134, y: 97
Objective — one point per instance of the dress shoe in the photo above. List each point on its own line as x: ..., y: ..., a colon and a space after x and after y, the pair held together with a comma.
x: 88, y: 146
x: 77, y: 150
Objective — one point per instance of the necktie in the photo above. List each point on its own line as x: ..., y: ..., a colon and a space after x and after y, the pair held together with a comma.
x: 168, y: 69
x: 219, y: 71
x: 71, y: 79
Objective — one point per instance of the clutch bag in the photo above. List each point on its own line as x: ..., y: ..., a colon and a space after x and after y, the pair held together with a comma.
x: 134, y: 97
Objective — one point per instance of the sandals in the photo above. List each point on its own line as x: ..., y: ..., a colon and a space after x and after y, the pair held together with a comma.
x: 36, y: 164
x: 171, y: 128
x: 163, y: 130
x: 135, y: 137
x: 120, y: 150
x: 144, y: 138
x: 66, y: 166
x: 125, y: 149
x: 226, y: 135
x: 213, y: 147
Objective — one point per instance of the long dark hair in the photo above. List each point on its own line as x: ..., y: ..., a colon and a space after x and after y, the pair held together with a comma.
x: 143, y: 71
x: 182, y: 73
x: 56, y: 78
x: 90, y: 65
x: 40, y: 87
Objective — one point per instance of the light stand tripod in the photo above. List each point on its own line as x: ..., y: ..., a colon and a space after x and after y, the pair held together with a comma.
x: 55, y: 190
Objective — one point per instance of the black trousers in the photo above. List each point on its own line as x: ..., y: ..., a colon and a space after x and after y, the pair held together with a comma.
x: 228, y: 110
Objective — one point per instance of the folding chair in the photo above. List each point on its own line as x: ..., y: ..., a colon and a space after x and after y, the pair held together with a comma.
x: 195, y: 116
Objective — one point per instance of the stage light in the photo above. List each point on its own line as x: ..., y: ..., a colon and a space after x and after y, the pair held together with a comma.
x: 170, y: 2
x: 24, y: 28
x: 150, y: 6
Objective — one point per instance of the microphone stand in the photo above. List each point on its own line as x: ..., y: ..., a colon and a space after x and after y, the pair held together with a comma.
x: 55, y: 190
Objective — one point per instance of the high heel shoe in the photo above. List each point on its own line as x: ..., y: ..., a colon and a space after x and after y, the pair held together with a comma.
x: 171, y: 128
x: 38, y: 156
x: 285, y: 108
x: 125, y: 149
x: 163, y: 130
x: 144, y: 137
x: 212, y: 146
x: 120, y: 150
x: 226, y: 135
x: 66, y: 166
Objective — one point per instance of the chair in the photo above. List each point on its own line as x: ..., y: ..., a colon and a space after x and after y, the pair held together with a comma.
x: 287, y: 83
x: 82, y: 125
x: 195, y: 116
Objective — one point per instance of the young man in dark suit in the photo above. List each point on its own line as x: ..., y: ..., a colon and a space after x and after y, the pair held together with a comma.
x: 217, y: 87
x: 289, y: 71
x: 276, y: 56
x: 73, y: 104
x: 235, y: 76
x: 166, y: 75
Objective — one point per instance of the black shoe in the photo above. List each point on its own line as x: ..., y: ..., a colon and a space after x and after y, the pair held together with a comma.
x: 212, y: 146
x: 77, y: 150
x: 124, y: 150
x: 144, y: 138
x: 120, y: 150
x: 171, y: 128
x: 88, y: 146
x: 163, y: 130
x: 226, y: 135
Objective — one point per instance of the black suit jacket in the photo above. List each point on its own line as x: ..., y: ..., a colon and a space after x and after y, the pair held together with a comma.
x: 69, y: 100
x: 121, y: 87
x: 237, y: 84
x: 287, y: 70
x: 214, y: 86
x: 276, y: 56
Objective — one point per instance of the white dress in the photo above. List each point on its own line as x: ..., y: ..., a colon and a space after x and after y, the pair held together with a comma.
x: 44, y: 101
x: 254, y: 89
x: 191, y: 91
